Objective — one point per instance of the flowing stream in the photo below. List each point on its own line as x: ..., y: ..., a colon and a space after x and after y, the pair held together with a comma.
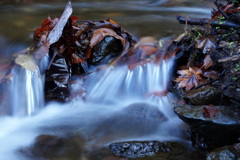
x: 120, y: 104
x: 118, y: 107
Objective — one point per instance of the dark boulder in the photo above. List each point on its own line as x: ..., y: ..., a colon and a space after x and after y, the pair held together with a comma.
x: 210, y: 132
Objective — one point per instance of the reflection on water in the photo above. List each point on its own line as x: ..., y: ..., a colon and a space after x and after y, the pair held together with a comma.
x: 141, y: 18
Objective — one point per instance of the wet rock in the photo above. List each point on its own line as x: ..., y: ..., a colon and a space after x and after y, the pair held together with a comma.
x: 144, y: 110
x: 54, y: 147
x: 149, y: 150
x: 139, y: 149
x: 210, y: 132
x: 135, y: 120
x: 57, y: 80
x: 204, y: 95
x: 108, y: 48
x: 231, y: 152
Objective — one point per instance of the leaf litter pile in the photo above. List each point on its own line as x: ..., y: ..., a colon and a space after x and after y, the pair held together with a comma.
x: 207, y: 54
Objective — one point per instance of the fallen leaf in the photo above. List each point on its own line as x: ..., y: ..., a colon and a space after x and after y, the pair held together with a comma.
x: 224, y: 9
x: 56, y: 32
x: 40, y: 34
x: 205, y: 43
x: 210, y: 111
x: 189, y: 78
x: 207, y: 61
x: 27, y: 62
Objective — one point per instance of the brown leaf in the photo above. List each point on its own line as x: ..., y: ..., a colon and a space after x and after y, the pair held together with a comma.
x: 56, y: 32
x: 205, y: 43
x: 210, y: 111
x: 189, y: 78
x: 224, y: 9
x: 207, y: 62
x: 101, y: 33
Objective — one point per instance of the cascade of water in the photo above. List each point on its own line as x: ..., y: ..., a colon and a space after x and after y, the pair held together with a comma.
x: 26, y: 90
x: 120, y: 105
x: 143, y: 83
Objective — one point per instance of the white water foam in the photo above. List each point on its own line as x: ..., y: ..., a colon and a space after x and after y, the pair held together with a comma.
x: 105, y: 116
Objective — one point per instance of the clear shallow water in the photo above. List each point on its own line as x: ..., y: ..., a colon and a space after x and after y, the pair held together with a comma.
x: 138, y: 17
x: 141, y: 18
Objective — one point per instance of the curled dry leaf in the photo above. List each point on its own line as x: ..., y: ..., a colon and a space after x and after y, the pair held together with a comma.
x: 210, y: 111
x: 98, y: 35
x: 189, y: 78
x: 27, y: 62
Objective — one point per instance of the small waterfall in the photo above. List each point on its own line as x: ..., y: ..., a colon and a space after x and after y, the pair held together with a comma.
x: 26, y: 90
x: 120, y: 105
x: 145, y: 83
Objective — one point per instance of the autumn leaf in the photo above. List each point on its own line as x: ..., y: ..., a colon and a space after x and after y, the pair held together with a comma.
x: 27, y: 62
x: 205, y: 43
x: 189, y: 78
x: 224, y: 9
x: 56, y: 32
x: 207, y: 62
x: 210, y: 111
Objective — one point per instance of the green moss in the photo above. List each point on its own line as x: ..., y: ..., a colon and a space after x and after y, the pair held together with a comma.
x: 237, y: 67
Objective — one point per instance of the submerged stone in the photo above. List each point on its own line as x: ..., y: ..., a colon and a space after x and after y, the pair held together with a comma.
x: 210, y: 132
x: 54, y: 147
x: 203, y: 95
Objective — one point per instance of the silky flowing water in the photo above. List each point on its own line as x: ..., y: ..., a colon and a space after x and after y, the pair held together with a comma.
x: 103, y: 116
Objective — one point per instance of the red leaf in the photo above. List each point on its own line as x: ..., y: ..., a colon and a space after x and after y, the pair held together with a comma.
x: 157, y: 93
x: 210, y: 111
x: 47, y: 25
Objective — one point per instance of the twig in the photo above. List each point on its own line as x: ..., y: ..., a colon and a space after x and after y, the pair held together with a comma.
x: 232, y: 58
x: 203, y: 21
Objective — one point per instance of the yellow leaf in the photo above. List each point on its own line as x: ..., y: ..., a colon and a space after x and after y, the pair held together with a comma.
x: 27, y: 62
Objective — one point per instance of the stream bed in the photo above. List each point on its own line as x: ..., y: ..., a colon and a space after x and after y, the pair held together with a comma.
x: 117, y: 108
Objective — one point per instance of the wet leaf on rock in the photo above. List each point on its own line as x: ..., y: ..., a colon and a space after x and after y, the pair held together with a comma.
x: 210, y: 111
x: 99, y: 35
x: 189, y: 78
x: 27, y: 62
